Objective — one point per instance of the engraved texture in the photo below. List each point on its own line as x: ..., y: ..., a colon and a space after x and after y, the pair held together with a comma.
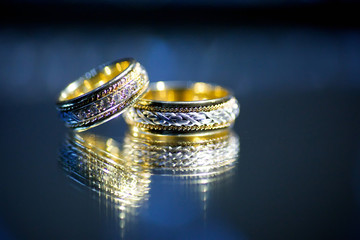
x: 109, y: 105
x: 220, y: 117
x: 110, y: 88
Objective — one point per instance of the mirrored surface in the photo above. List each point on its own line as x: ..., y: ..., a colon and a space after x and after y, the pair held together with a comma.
x: 120, y: 174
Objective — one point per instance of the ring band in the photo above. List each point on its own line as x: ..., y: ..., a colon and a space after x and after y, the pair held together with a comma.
x: 102, y: 94
x: 173, y: 106
x: 204, y: 152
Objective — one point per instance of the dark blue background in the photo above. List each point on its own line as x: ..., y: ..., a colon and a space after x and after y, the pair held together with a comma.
x: 294, y: 71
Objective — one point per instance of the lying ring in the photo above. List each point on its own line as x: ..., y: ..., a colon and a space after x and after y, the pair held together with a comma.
x: 102, y: 94
x: 202, y: 153
x: 173, y: 106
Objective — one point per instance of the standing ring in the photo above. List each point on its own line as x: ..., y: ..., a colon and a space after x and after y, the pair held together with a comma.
x: 102, y: 94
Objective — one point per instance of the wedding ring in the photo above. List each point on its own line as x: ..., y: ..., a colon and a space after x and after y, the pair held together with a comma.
x: 102, y: 94
x: 179, y: 107
x: 203, y: 152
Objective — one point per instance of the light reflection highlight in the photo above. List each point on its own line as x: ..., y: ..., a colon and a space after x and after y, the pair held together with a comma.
x: 121, y: 172
x: 96, y: 162
x: 185, y: 154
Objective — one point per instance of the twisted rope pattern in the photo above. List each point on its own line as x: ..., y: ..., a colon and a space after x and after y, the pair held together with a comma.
x: 220, y: 116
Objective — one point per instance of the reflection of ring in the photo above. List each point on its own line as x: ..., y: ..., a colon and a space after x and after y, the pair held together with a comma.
x: 96, y: 162
x: 102, y: 94
x: 178, y: 107
x: 200, y: 153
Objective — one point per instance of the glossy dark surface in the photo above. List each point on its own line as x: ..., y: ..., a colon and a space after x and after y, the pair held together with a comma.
x: 298, y: 174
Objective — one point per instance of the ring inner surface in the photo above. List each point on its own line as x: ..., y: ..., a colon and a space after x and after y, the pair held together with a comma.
x: 197, y: 92
x: 93, y: 80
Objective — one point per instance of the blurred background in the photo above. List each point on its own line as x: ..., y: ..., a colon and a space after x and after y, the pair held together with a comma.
x: 254, y: 46
x: 293, y: 65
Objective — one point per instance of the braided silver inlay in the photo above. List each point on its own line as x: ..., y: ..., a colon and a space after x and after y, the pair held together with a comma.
x: 224, y: 115
x: 85, y: 113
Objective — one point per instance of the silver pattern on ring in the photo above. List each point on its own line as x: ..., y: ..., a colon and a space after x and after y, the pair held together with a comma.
x: 220, y: 116
x: 106, y: 103
x: 184, y: 107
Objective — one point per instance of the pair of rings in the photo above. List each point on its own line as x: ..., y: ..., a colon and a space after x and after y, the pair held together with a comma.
x: 122, y: 86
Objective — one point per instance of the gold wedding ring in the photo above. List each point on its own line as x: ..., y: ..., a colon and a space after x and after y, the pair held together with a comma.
x: 102, y: 94
x: 179, y: 107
